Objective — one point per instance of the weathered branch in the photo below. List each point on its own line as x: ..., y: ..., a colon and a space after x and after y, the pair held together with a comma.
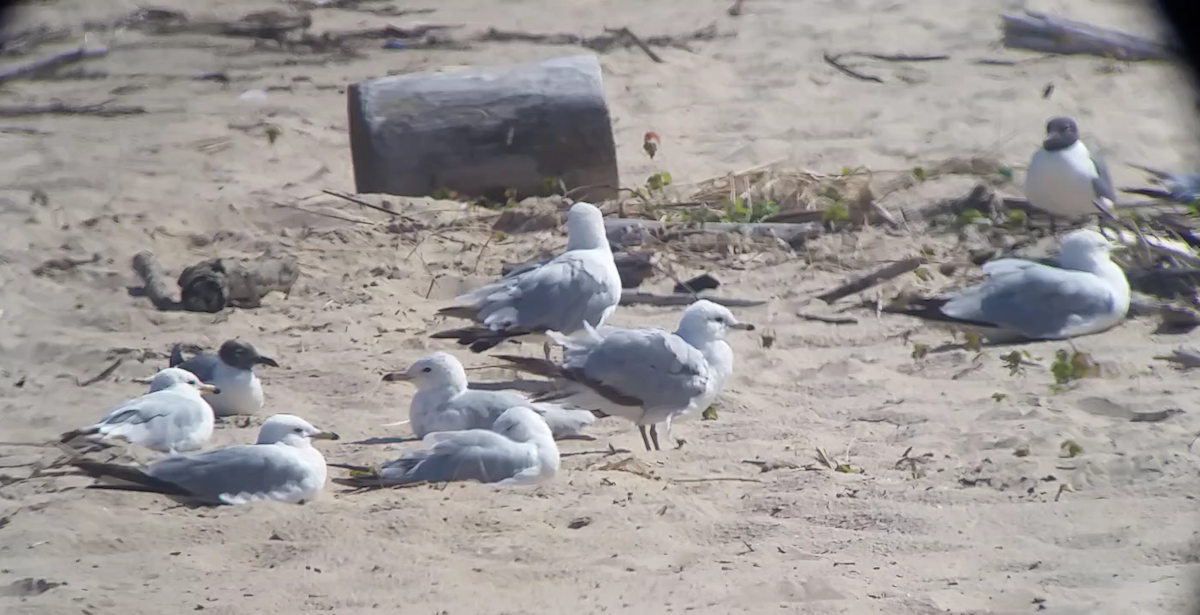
x: 1053, y: 34
x: 882, y: 274
x: 637, y: 297
x: 52, y: 63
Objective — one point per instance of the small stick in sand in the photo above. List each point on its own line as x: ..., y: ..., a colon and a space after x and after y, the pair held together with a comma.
x: 626, y: 32
x: 836, y: 61
x: 52, y: 63
x: 108, y: 371
x: 60, y: 108
x: 883, y: 274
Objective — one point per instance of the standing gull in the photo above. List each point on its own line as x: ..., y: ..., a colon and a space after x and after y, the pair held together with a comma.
x: 518, y: 450
x: 647, y: 376
x: 1023, y: 300
x: 579, y: 286
x: 232, y: 371
x: 1064, y: 179
x: 282, y: 466
x: 444, y: 402
x: 172, y: 417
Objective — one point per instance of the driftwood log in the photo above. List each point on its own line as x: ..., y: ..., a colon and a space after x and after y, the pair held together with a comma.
x: 644, y: 298
x: 634, y: 267
x: 623, y: 231
x: 1053, y: 34
x: 214, y: 284
x: 495, y: 132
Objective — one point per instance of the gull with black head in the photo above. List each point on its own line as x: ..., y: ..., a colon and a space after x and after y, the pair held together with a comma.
x: 232, y: 371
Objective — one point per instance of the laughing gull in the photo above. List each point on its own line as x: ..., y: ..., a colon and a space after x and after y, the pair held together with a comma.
x: 171, y: 418
x: 581, y: 285
x: 232, y: 371
x: 444, y: 402
x: 282, y: 465
x: 518, y: 450
x: 1064, y: 179
x: 1022, y: 300
x: 647, y: 376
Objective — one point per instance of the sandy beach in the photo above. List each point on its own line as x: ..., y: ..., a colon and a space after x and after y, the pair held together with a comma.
x: 991, y: 514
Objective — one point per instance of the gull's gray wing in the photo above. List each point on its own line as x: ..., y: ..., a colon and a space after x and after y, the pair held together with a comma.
x: 474, y: 409
x: 478, y: 455
x: 1102, y: 184
x: 559, y: 295
x: 138, y: 410
x: 1037, y: 301
x: 203, y: 364
x: 650, y: 368
x: 234, y: 473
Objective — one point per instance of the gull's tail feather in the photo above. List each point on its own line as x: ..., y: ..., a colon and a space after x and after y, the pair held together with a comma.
x: 373, y: 480
x: 478, y: 339
x: 78, y: 433
x: 565, y: 424
x: 176, y: 355
x: 133, y: 478
x: 931, y: 309
x: 531, y: 365
x: 459, y: 311
x: 354, y: 470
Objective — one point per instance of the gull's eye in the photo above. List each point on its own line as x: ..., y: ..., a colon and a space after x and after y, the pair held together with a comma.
x: 427, y: 370
x: 299, y: 430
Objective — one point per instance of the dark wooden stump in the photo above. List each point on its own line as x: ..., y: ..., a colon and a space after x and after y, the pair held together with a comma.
x: 484, y: 131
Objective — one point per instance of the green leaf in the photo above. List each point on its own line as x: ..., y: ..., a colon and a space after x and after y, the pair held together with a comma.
x: 1006, y: 172
x: 709, y: 414
x: 920, y: 174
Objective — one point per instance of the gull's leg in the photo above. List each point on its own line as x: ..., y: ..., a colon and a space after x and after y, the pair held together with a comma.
x: 667, y: 433
x: 645, y: 440
x: 654, y: 436
x: 546, y: 349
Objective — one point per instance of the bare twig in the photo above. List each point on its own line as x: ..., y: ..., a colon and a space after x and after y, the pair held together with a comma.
x: 836, y: 61
x: 626, y: 32
x: 324, y: 214
x: 833, y: 320
x: 882, y: 274
x: 108, y: 371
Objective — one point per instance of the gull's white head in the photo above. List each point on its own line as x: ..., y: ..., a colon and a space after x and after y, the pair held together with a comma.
x: 705, y: 321
x: 521, y: 424
x: 585, y: 227
x: 1084, y: 248
x: 173, y: 376
x: 433, y: 371
x: 291, y: 429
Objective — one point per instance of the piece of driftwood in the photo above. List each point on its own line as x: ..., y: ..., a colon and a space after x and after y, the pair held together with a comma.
x: 618, y: 228
x: 698, y: 284
x: 1185, y: 358
x: 498, y: 132
x: 634, y: 267
x: 644, y: 298
x: 60, y: 108
x: 1054, y: 34
x: 214, y: 284
x: 52, y: 63
x: 838, y: 61
x: 882, y: 274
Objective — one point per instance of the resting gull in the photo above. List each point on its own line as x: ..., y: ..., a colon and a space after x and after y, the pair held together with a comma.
x: 519, y: 449
x: 232, y: 371
x: 172, y: 417
x: 1021, y: 300
x: 282, y: 465
x: 444, y: 402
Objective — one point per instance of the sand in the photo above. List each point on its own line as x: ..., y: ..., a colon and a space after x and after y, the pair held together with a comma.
x: 995, y: 519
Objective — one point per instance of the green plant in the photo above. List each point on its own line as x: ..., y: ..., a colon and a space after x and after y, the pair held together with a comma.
x: 835, y: 212
x: 658, y: 182
x: 967, y: 217
x: 1070, y: 366
x: 1071, y: 448
x: 738, y: 211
